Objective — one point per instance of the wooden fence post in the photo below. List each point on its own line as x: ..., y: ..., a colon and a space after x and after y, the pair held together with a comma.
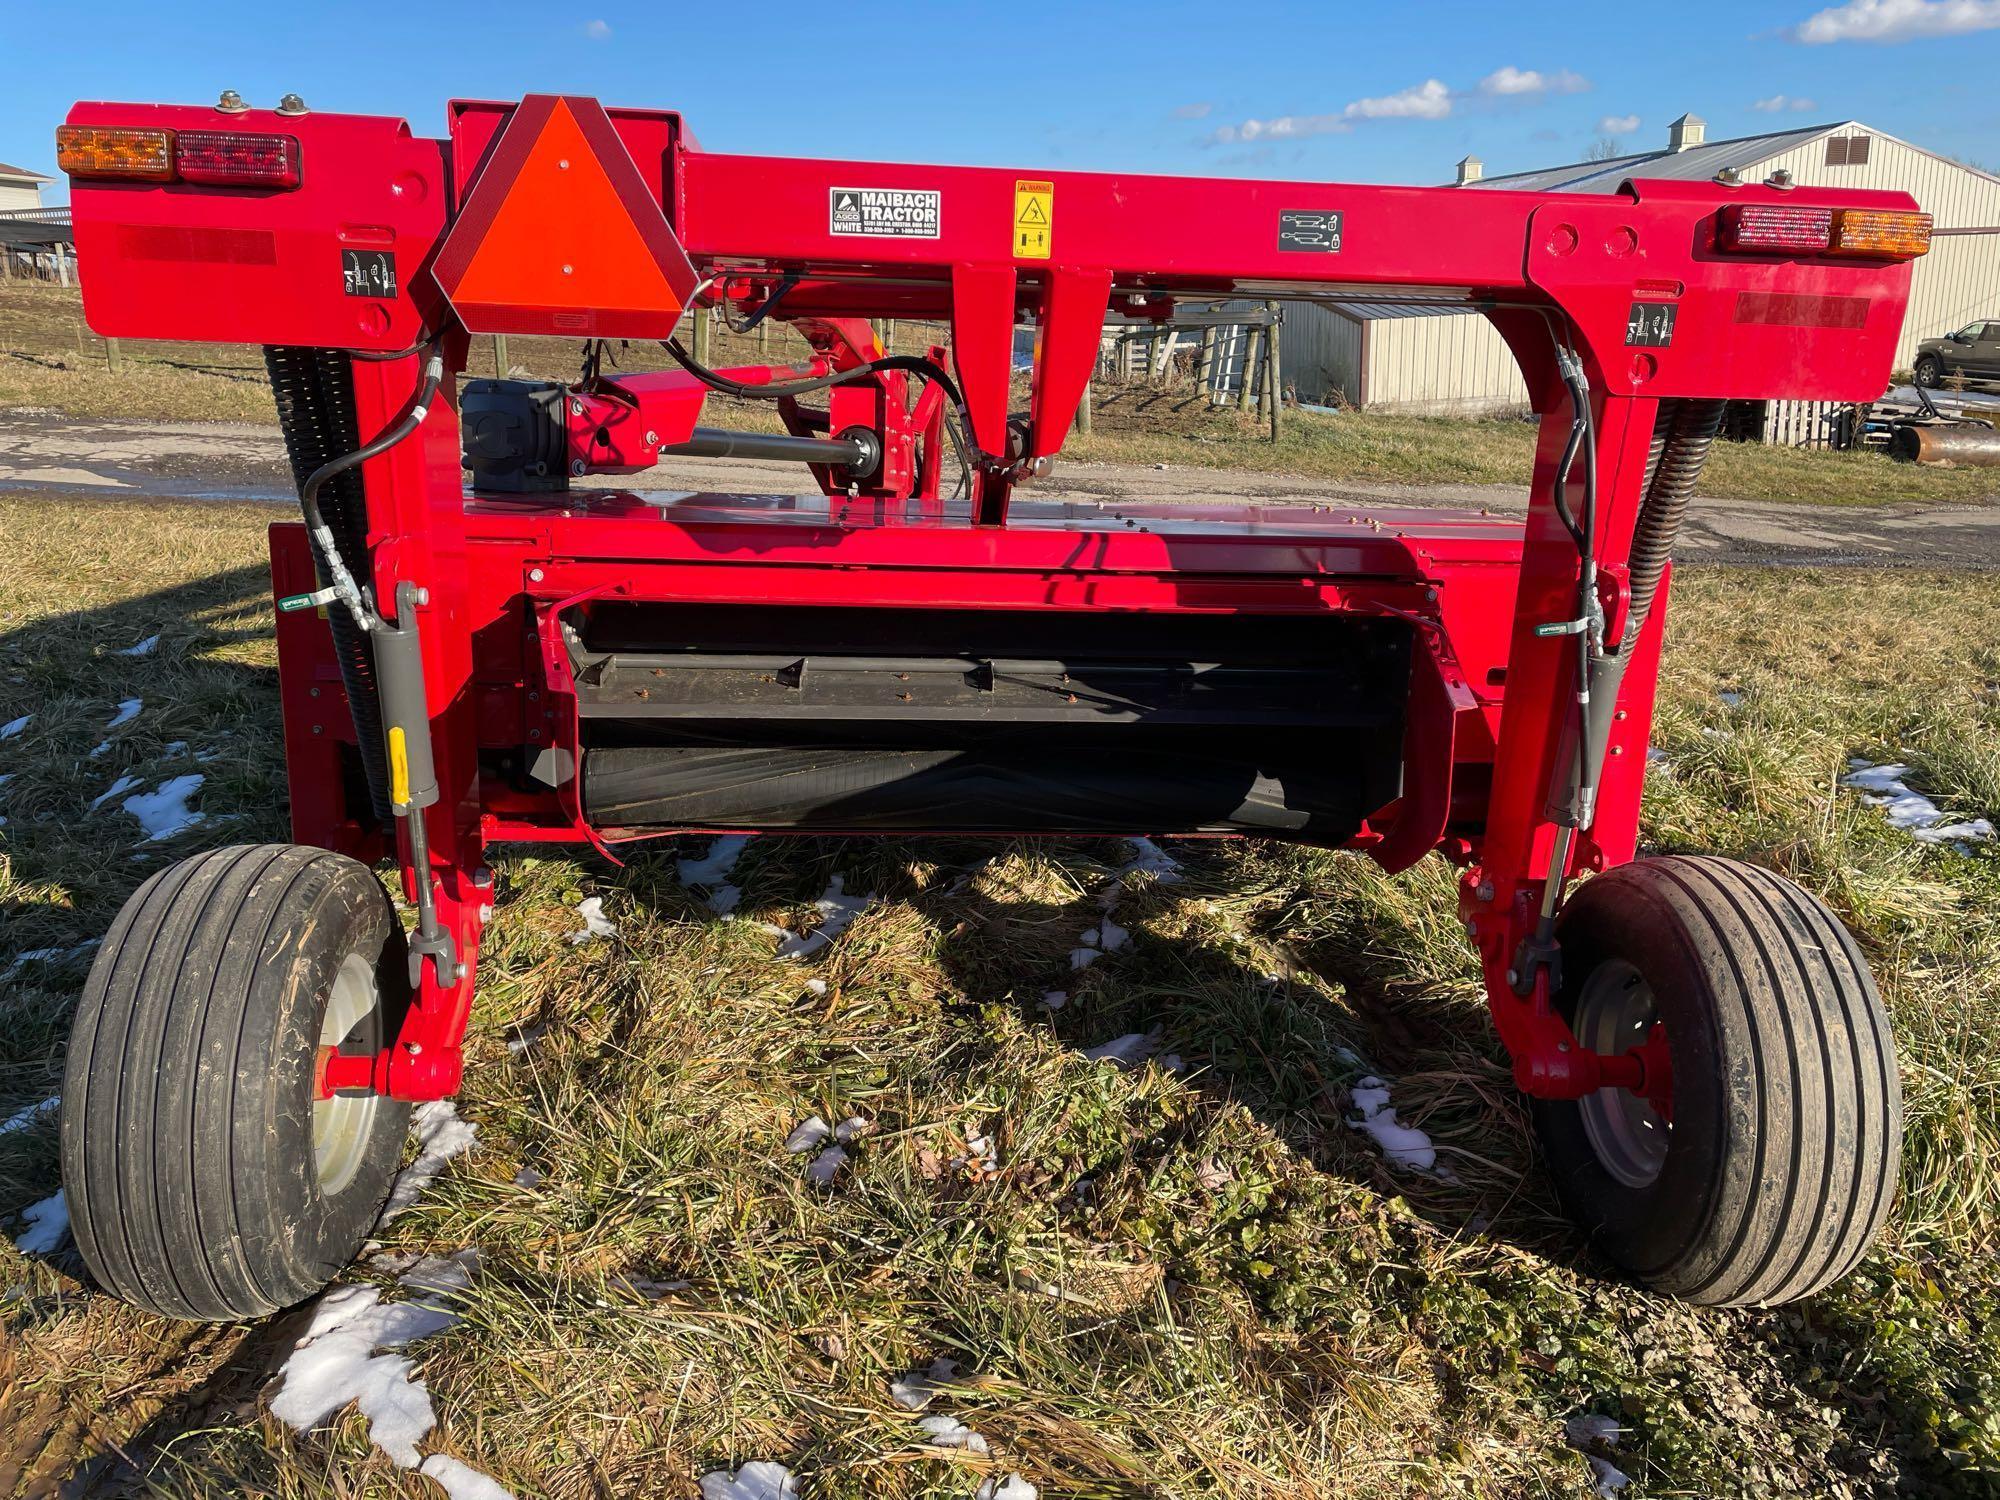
x: 1246, y: 395
x: 114, y: 356
x: 701, y: 327
x: 1274, y: 382
x: 1083, y: 412
x: 500, y: 363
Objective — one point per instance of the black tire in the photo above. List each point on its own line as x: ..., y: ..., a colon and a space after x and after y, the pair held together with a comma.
x: 1786, y: 1136
x: 1930, y: 371
x: 188, y: 1143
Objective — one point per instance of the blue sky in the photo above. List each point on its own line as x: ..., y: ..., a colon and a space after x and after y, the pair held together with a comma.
x: 1329, y: 91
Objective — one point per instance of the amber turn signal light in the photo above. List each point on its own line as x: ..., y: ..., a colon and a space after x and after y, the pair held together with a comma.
x: 1893, y: 234
x: 115, y: 152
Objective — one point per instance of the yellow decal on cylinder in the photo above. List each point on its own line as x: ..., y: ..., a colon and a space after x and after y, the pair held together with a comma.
x: 1034, y: 219
x: 399, y: 767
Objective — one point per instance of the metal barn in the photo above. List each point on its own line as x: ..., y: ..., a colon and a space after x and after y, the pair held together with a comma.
x: 1398, y: 358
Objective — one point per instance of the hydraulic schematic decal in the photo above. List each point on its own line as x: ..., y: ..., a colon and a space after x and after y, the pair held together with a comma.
x: 368, y: 273
x: 1034, y: 218
x: 1650, y: 325
x: 897, y: 213
x: 1310, y: 229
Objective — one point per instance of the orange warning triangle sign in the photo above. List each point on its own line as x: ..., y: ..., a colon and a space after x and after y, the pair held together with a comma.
x: 560, y: 234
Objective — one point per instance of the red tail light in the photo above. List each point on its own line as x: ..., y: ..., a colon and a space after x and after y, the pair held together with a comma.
x: 222, y: 158
x: 1774, y: 229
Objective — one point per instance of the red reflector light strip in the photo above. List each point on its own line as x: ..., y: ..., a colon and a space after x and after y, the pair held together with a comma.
x: 1781, y: 228
x: 229, y: 159
x: 1770, y: 227
x: 210, y: 158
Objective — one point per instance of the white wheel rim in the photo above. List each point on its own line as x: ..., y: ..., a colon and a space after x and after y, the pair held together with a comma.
x: 1616, y: 1013
x: 343, y: 1124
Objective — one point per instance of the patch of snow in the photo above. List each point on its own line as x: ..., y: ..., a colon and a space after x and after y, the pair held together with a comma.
x: 724, y: 899
x: 1588, y: 1430
x: 1107, y: 936
x: 145, y: 648
x: 1054, y: 999
x: 46, y: 956
x: 1151, y: 859
x: 1655, y: 756
x: 1403, y: 1145
x: 595, y: 923
x: 177, y: 747
x: 14, y: 726
x: 128, y: 710
x: 852, y: 1128
x: 836, y: 910
x: 826, y: 1166
x: 811, y: 1132
x: 165, y: 812
x: 47, y: 1226
x: 761, y: 1480
x: 5, y: 777
x: 1730, y: 698
x: 949, y: 1432
x: 1884, y: 786
x: 101, y: 748
x: 1083, y: 958
x: 21, y: 1119
x: 441, y: 1135
x: 117, y: 788
x: 713, y: 867
x: 1013, y: 1487
x: 526, y: 1037
x: 527, y: 1179
x: 336, y: 1363
x: 919, y: 1388
x: 1127, y: 1051
x: 461, y: 1481
x: 816, y: 987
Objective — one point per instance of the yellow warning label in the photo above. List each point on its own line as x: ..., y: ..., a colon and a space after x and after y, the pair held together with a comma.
x: 399, y: 767
x: 1034, y: 219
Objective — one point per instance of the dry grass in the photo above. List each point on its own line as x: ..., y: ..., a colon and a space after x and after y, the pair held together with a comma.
x: 1177, y: 1284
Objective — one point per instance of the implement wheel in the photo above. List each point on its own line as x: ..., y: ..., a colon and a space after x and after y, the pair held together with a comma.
x: 1771, y: 1166
x: 205, y: 1177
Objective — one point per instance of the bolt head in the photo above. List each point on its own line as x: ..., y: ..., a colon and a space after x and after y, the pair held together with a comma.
x: 231, y: 102
x: 291, y: 104
x: 415, y: 1049
x: 536, y: 575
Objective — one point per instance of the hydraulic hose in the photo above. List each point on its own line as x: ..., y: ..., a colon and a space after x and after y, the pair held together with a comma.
x: 338, y: 575
x: 961, y: 438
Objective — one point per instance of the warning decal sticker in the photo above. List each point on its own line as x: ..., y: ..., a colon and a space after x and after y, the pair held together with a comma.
x: 1034, y: 218
x: 1310, y: 229
x: 1650, y: 325
x: 894, y: 213
x: 368, y: 273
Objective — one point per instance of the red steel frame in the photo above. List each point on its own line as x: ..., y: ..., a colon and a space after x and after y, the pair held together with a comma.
x: 1489, y: 696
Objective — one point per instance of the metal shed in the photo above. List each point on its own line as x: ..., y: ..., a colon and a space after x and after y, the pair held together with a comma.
x: 1430, y: 360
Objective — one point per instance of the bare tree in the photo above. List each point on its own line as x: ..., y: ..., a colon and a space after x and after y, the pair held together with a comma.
x: 1603, y: 149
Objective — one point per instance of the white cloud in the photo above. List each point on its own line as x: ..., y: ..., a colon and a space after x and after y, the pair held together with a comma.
x: 1194, y: 111
x: 1511, y: 81
x: 597, y: 31
x: 1429, y: 100
x: 1283, y: 128
x: 1889, y: 21
x: 1617, y: 124
x: 1779, y: 103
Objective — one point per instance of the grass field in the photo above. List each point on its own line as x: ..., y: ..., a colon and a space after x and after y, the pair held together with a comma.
x: 50, y: 361
x: 1169, y: 1282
